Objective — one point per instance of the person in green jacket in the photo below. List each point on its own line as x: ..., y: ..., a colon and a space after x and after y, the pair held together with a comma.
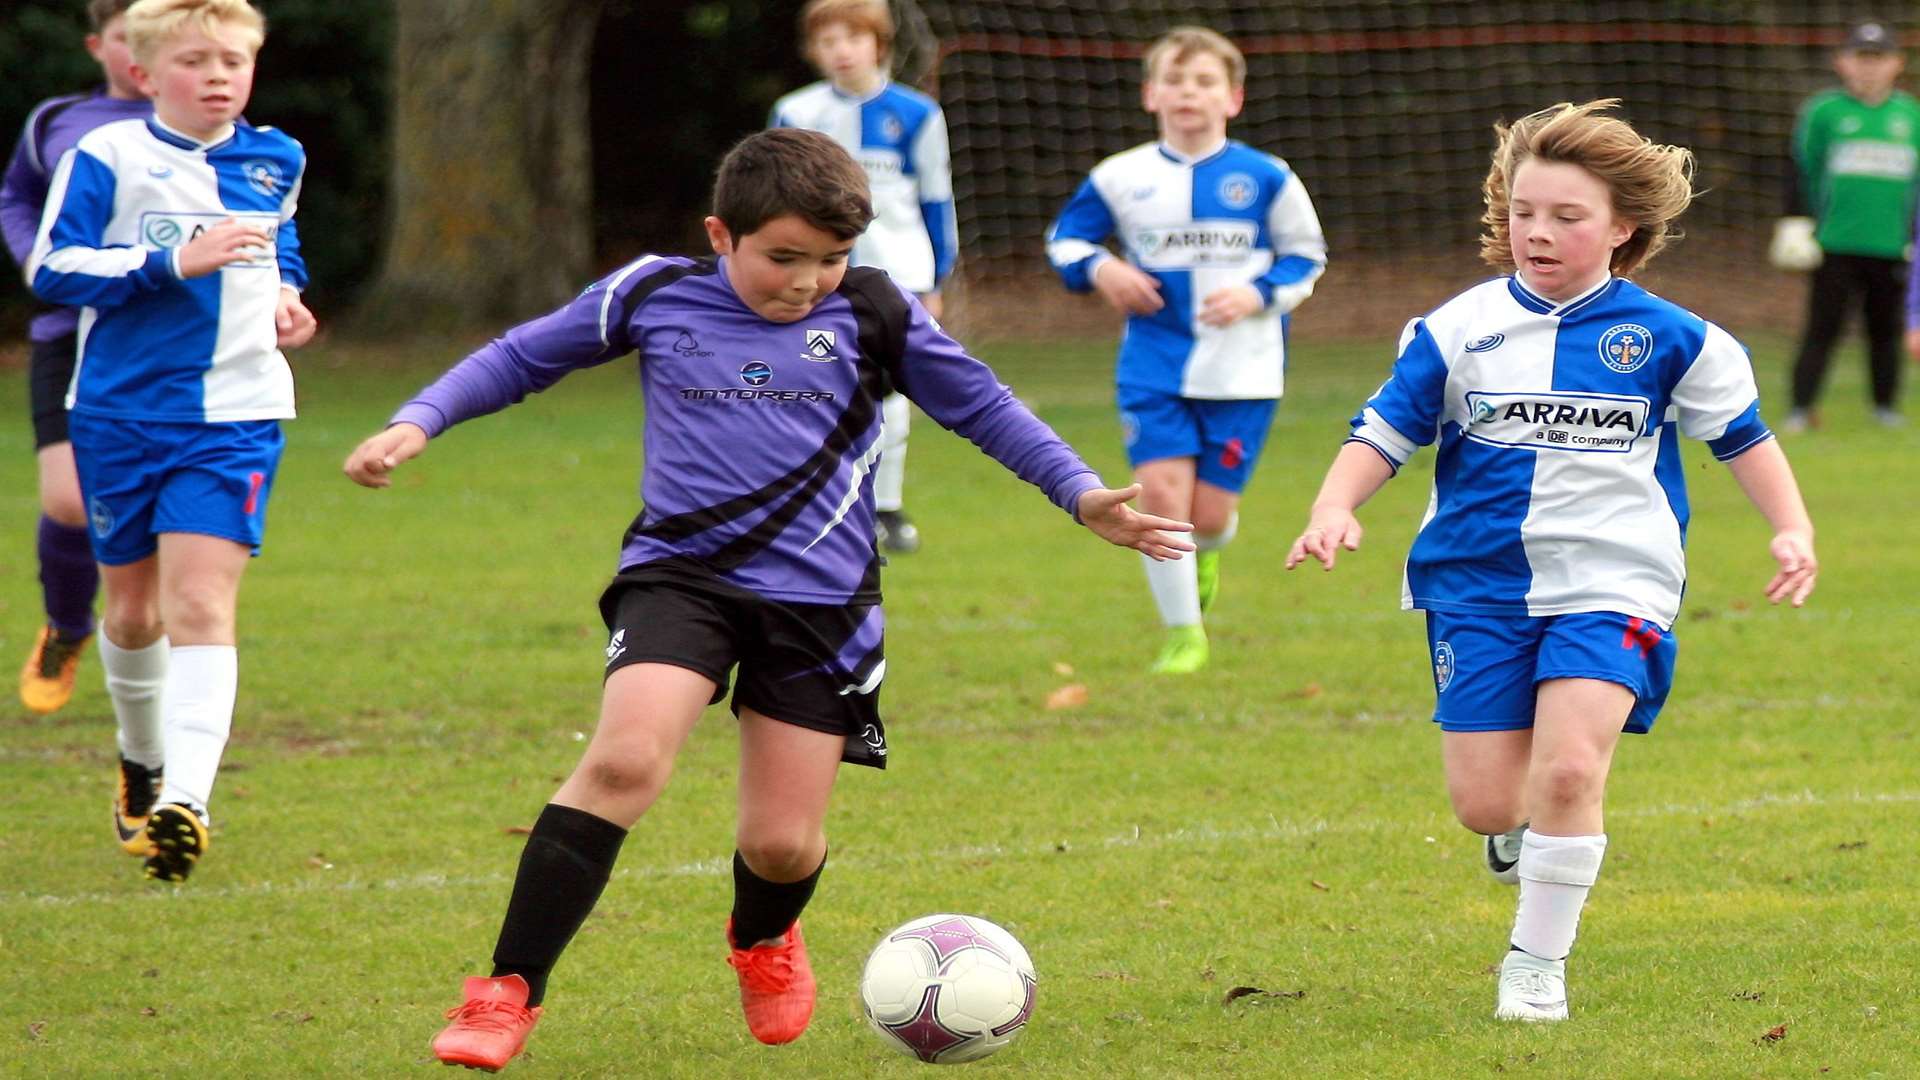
x: 1857, y: 165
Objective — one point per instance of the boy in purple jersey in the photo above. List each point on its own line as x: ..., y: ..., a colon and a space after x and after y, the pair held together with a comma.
x: 763, y: 370
x: 1550, y: 562
x: 69, y: 581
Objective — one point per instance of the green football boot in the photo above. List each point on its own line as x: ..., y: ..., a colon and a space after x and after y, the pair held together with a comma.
x: 1207, y: 565
x: 1184, y: 653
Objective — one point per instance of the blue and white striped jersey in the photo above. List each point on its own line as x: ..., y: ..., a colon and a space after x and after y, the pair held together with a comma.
x: 152, y: 345
x: 1558, y: 484
x: 1231, y: 217
x: 899, y: 136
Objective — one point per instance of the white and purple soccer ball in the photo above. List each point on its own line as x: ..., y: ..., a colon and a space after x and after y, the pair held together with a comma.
x: 948, y: 988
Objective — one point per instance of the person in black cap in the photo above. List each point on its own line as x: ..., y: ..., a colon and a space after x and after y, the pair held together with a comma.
x: 1856, y: 154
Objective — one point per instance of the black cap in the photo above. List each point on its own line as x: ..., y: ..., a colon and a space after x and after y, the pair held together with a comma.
x: 1871, y: 37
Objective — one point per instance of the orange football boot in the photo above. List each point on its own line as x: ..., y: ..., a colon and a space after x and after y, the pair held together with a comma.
x: 491, y: 1027
x: 46, y: 682
x: 776, y: 987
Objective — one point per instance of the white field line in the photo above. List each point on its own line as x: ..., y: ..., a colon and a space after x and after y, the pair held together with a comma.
x: 1131, y: 838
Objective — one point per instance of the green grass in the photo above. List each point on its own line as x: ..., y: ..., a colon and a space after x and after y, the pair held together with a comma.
x: 419, y: 667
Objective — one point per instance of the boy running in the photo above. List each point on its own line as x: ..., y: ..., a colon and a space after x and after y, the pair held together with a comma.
x: 69, y: 581
x: 1551, y: 560
x: 763, y: 370
x: 175, y: 234
x: 899, y: 136
x: 1221, y: 243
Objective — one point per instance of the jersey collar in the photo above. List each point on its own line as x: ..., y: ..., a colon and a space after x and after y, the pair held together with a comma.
x: 187, y: 142
x: 1179, y: 158
x: 1534, y: 302
x: 860, y: 99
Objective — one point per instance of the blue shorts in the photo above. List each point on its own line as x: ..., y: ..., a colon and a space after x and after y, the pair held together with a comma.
x: 1485, y: 667
x: 143, y: 478
x: 1225, y: 436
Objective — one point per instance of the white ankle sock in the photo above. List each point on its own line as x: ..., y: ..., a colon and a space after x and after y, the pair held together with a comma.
x: 1556, y: 873
x: 1176, y: 590
x: 201, y: 685
x: 135, y: 679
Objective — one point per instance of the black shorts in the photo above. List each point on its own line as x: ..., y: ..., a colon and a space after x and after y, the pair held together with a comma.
x: 816, y: 666
x: 49, y: 370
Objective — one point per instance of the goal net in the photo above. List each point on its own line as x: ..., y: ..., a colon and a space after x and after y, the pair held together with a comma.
x: 1385, y: 109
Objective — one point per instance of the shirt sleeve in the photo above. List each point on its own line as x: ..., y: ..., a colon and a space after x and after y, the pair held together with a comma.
x: 1716, y: 400
x: 1810, y: 156
x: 590, y: 330
x: 932, y: 164
x: 1076, y: 241
x: 23, y: 195
x: 286, y: 240
x: 1299, y: 248
x: 70, y: 265
x: 964, y: 396
x: 1404, y: 414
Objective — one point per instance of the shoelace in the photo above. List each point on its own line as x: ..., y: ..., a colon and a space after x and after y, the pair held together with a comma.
x: 142, y: 788
x: 55, y: 653
x: 500, y: 1017
x: 1533, y: 984
x: 766, y: 971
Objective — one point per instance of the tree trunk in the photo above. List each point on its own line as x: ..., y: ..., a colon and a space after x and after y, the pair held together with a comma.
x: 491, y: 208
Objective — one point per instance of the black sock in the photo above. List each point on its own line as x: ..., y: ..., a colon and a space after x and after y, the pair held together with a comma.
x: 566, y: 864
x: 764, y: 909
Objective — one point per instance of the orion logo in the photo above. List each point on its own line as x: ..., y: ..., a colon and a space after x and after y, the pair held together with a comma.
x: 756, y: 372
x: 164, y: 232
x: 1486, y: 344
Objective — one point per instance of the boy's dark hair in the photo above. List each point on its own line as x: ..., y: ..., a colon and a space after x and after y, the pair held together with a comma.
x: 791, y: 171
x: 102, y: 12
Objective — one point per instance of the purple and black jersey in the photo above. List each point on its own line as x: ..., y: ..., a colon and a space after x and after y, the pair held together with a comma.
x: 761, y: 437
x: 52, y: 129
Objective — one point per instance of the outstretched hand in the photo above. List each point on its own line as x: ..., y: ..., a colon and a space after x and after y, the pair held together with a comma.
x: 1105, y: 511
x: 1793, y: 550
x: 1327, y: 533
x: 382, y: 453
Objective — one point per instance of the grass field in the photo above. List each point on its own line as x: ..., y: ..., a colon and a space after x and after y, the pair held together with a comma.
x: 420, y: 667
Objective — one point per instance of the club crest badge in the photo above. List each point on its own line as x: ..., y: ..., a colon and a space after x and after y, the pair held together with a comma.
x: 1625, y: 347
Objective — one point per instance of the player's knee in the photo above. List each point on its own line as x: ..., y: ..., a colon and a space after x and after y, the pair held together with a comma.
x: 779, y: 854
x: 1486, y: 816
x: 131, y: 626
x: 627, y: 776
x: 1567, y: 780
x: 63, y: 505
x: 200, y: 612
x: 1211, y: 523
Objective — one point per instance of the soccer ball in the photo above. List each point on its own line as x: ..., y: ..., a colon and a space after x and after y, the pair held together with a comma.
x: 948, y: 988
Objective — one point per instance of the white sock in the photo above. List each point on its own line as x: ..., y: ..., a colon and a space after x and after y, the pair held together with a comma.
x: 890, y: 476
x: 1220, y: 539
x: 1176, y: 590
x: 1555, y: 874
x: 201, y: 685
x: 135, y: 678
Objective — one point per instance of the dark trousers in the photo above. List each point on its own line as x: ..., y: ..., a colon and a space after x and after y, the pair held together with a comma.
x: 1881, y: 285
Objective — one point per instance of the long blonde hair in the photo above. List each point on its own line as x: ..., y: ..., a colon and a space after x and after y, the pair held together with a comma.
x: 1651, y: 183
